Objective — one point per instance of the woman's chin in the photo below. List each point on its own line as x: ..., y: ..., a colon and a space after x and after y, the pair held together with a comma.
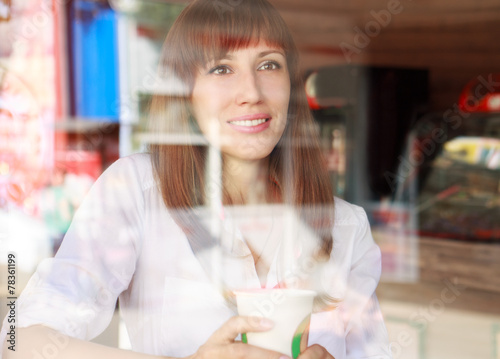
x: 247, y: 154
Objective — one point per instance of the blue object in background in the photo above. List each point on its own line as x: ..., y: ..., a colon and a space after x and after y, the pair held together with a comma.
x: 95, y: 61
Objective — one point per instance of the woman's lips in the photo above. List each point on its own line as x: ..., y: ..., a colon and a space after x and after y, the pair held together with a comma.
x: 251, y: 123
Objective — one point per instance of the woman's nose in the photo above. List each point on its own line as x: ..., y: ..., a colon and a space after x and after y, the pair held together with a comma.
x: 249, y: 90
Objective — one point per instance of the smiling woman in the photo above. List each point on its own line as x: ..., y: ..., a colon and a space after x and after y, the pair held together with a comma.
x: 173, y: 238
x: 241, y: 66
x: 248, y: 115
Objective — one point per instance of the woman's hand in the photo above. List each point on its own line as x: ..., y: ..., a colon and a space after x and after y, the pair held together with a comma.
x: 222, y: 344
x: 315, y: 351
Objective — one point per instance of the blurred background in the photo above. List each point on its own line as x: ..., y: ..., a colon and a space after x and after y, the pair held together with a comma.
x: 406, y: 95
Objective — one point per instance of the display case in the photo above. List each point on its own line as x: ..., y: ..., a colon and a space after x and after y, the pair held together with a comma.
x: 457, y: 176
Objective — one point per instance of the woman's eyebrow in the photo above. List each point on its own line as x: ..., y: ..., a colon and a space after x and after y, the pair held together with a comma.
x: 265, y: 53
x: 228, y: 56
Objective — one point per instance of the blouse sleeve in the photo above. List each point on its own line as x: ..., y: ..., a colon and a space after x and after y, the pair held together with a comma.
x: 366, y: 334
x: 76, y: 291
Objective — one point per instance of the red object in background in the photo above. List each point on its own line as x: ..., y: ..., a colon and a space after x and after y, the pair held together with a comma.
x: 16, y: 193
x: 311, y: 91
x: 481, y: 94
x: 80, y: 162
x: 313, y: 103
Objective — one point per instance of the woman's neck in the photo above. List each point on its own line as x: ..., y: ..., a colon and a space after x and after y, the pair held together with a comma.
x: 246, y: 181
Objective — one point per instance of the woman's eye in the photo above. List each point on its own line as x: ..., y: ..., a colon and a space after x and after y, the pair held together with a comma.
x: 220, y: 70
x: 271, y: 65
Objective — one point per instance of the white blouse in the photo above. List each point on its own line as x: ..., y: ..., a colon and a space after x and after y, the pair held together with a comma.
x: 123, y: 243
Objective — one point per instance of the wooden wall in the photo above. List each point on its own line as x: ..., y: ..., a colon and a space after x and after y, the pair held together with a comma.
x: 457, y: 40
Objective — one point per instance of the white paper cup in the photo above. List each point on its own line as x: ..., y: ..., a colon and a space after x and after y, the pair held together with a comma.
x: 289, y: 309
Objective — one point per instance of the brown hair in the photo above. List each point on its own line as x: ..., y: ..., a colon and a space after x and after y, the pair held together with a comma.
x: 203, y: 33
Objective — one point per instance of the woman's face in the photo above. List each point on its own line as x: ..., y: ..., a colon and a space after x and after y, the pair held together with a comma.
x: 241, y: 101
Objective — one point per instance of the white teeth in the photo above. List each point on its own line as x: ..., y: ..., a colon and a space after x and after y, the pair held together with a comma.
x: 249, y: 123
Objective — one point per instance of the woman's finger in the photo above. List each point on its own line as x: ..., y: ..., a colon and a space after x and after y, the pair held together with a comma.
x: 315, y: 352
x: 240, y: 324
x: 240, y: 350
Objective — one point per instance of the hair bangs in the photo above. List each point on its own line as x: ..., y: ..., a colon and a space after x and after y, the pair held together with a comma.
x: 215, y: 30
